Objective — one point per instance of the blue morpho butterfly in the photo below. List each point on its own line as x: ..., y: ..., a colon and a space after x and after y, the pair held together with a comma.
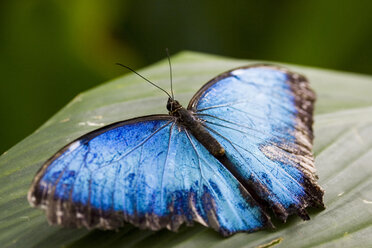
x: 241, y: 148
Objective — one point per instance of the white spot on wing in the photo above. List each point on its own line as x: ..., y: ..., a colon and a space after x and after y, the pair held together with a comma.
x: 74, y: 145
x: 340, y: 194
x: 367, y: 202
x: 237, y: 72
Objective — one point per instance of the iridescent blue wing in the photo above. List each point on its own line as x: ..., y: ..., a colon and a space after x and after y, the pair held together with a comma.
x: 148, y: 171
x: 262, y: 116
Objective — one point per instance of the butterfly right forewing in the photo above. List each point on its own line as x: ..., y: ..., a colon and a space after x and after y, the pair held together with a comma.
x: 262, y: 116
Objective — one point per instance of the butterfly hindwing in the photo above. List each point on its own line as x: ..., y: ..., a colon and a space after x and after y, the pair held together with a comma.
x: 262, y: 116
x: 148, y: 171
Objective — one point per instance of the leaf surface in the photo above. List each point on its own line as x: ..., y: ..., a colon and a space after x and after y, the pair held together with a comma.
x: 343, y: 149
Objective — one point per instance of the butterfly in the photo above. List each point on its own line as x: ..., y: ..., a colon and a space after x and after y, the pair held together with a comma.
x: 239, y: 152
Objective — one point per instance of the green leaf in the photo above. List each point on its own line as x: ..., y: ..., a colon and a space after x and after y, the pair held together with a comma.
x: 343, y: 142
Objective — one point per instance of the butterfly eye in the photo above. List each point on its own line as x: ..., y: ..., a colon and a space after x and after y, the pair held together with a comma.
x: 169, y: 105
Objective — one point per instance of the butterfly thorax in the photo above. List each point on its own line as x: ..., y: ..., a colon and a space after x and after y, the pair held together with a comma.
x: 189, y: 121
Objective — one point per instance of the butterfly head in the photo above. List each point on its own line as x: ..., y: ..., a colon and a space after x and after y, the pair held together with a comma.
x: 173, y: 106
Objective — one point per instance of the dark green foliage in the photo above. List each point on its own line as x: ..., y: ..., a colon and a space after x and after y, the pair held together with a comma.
x: 52, y: 50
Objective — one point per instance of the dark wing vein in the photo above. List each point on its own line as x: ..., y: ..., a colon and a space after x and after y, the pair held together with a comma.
x: 58, y: 179
x: 165, y: 162
x: 134, y: 148
x: 197, y: 155
x: 261, y: 118
x: 224, y: 105
x: 253, y: 129
x: 247, y: 101
x: 217, y: 124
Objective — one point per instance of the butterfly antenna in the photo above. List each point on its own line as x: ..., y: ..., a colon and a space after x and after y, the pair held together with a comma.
x: 145, y: 79
x: 170, y: 71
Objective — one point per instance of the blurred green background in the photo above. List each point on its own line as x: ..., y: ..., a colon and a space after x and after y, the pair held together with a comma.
x: 53, y: 49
